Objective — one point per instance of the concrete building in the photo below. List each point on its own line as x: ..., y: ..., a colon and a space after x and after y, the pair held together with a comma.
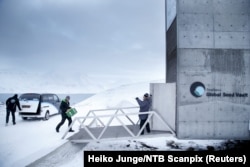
x: 208, y: 70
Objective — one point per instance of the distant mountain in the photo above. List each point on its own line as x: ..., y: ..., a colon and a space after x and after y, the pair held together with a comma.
x: 57, y: 82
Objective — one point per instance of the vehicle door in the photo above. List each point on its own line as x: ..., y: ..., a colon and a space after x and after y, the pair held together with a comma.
x: 30, y: 103
x: 57, y: 102
x: 48, y: 104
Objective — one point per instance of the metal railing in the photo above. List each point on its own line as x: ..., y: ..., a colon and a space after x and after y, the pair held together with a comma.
x: 94, y: 116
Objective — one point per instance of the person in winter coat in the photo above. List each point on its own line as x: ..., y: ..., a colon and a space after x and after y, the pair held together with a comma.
x: 144, y: 107
x: 64, y: 106
x: 11, y: 104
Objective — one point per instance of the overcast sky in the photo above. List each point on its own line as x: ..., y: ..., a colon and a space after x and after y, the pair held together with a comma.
x: 95, y: 37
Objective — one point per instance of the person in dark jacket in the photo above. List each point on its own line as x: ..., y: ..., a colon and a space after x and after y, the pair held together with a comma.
x: 144, y: 107
x: 11, y: 104
x: 64, y: 106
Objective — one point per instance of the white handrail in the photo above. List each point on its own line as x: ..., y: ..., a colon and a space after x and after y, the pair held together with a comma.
x: 81, y: 121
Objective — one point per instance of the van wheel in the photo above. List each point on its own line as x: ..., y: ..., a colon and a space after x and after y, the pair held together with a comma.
x: 46, y: 117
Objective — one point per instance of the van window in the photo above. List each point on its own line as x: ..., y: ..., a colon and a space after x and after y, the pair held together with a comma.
x: 47, y: 98
x: 56, y: 98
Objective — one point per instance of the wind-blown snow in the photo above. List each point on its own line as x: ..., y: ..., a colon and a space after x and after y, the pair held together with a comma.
x: 29, y: 140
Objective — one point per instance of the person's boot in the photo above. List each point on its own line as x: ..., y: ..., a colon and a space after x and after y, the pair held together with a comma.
x: 57, y: 130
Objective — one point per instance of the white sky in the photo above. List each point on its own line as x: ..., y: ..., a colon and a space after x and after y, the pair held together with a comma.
x: 95, y: 37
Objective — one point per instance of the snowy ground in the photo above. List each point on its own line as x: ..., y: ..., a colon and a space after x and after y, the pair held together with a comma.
x: 30, y: 140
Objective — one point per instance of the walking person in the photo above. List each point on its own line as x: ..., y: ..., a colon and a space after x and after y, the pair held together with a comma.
x: 145, y: 105
x: 64, y: 106
x: 11, y: 104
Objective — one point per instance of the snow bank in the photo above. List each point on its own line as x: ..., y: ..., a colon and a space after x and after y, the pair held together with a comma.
x: 30, y: 140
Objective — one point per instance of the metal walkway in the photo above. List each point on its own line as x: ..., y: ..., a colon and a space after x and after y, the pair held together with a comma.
x: 115, y: 123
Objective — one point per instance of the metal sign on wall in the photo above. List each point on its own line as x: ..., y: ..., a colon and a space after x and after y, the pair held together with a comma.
x: 198, y: 89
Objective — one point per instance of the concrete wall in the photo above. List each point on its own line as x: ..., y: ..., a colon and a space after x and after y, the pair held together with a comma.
x: 163, y: 102
x: 213, y: 51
